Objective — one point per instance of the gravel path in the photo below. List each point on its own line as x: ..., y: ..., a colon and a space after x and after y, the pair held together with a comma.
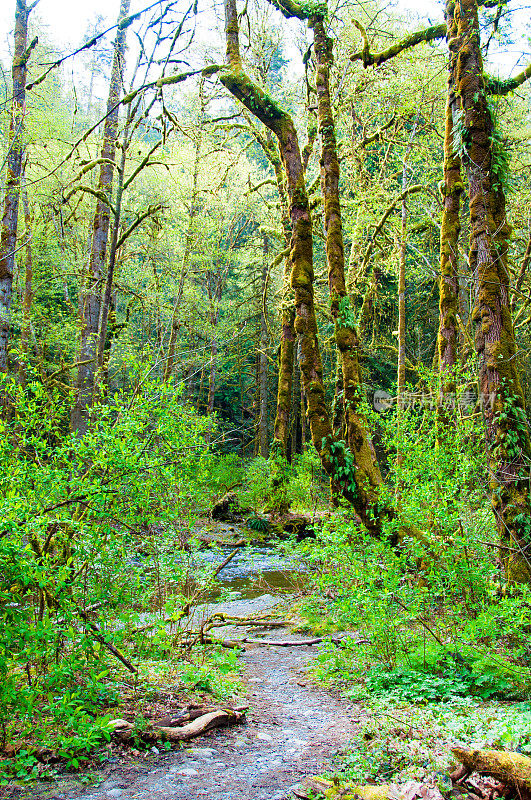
x: 292, y: 730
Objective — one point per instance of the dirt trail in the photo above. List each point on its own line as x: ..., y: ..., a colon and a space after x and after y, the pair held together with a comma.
x: 292, y: 730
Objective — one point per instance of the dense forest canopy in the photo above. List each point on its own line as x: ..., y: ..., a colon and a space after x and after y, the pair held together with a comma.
x: 272, y: 258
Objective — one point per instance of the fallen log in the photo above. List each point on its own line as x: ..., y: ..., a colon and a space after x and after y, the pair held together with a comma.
x: 313, y: 788
x: 512, y: 769
x: 228, y: 509
x: 288, y: 643
x: 233, y: 643
x: 124, y: 731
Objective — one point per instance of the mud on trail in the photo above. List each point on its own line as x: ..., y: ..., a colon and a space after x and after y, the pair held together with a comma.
x: 292, y: 730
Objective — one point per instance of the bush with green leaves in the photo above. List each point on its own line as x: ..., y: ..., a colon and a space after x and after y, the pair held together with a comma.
x: 433, y: 618
x: 93, y: 525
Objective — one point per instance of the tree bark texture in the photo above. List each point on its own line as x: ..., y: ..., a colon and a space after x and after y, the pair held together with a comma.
x: 15, y: 155
x: 451, y: 188
x: 92, y: 291
x: 335, y: 459
x: 355, y: 431
x: 501, y: 396
x: 27, y: 297
x: 263, y: 438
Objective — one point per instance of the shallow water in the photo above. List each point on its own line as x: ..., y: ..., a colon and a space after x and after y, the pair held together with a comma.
x: 253, y: 571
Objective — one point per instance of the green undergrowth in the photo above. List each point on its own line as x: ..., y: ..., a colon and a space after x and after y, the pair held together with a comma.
x: 431, y: 617
x: 68, y: 730
x: 97, y: 550
x: 397, y: 742
x: 416, y: 637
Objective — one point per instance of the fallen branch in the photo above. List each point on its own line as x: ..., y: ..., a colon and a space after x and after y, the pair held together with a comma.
x: 277, y: 642
x: 124, y: 731
x: 97, y: 633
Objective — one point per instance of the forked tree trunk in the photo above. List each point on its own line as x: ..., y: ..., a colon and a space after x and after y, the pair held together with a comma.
x: 15, y: 154
x: 92, y: 291
x: 333, y: 458
x: 506, y: 432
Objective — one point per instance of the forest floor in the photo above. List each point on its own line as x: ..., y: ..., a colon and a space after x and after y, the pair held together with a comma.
x: 293, y: 729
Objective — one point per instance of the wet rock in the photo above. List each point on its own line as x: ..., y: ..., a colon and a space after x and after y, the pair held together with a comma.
x: 201, y: 752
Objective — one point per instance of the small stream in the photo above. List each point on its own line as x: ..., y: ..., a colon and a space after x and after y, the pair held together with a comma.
x: 253, y: 571
x: 292, y: 728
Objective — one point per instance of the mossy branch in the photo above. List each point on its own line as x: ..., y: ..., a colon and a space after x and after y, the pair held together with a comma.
x: 145, y: 162
x: 499, y: 88
x: 89, y: 190
x: 90, y: 165
x: 368, y: 58
x: 383, y: 219
x: 290, y: 9
x: 170, y: 80
x: 138, y: 221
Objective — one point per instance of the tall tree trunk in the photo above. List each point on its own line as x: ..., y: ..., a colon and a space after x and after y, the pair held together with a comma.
x: 27, y: 298
x: 402, y: 249
x: 263, y: 359
x: 355, y: 431
x: 109, y: 280
x: 169, y: 367
x: 332, y: 455
x: 92, y: 291
x: 451, y: 188
x: 15, y: 154
x: 214, y: 296
x: 279, y: 447
x: 506, y: 432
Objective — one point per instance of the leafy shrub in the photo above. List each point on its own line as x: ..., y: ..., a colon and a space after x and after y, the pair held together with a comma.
x: 88, y: 522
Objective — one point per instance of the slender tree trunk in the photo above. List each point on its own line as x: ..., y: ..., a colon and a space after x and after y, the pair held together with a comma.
x: 401, y: 363
x: 212, y: 376
x: 109, y: 281
x: 279, y: 447
x: 15, y: 155
x: 349, y: 391
x: 169, y: 368
x: 214, y: 299
x: 91, y: 307
x: 263, y: 359
x: 451, y: 188
x: 506, y: 432
x: 27, y: 298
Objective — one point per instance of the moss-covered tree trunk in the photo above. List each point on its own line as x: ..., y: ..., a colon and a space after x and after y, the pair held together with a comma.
x: 451, y: 188
x: 92, y: 291
x: 349, y: 391
x: 27, y: 297
x: 14, y: 159
x: 263, y: 438
x: 279, y: 446
x: 501, y: 396
x: 262, y: 106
